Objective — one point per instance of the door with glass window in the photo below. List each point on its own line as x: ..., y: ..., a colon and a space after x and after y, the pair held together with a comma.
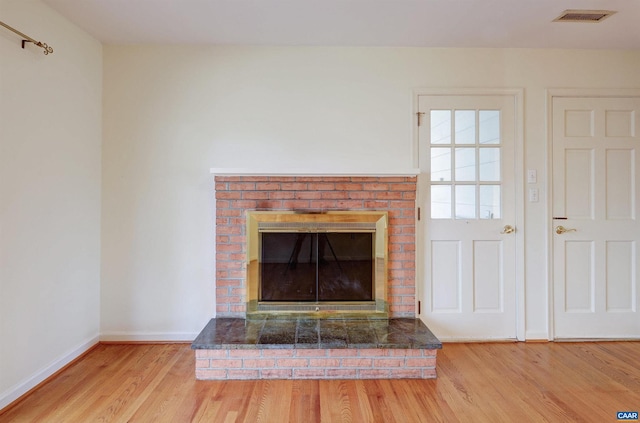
x: 467, y: 230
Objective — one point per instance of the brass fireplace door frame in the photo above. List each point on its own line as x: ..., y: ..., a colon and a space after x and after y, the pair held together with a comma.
x: 375, y: 222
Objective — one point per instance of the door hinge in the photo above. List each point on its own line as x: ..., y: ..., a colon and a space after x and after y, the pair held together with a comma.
x: 418, y: 213
x: 419, y: 307
x: 420, y: 116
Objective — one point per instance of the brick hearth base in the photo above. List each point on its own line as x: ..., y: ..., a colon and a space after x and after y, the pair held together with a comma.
x: 369, y: 363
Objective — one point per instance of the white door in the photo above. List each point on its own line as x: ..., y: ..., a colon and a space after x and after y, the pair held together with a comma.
x: 467, y: 229
x: 595, y: 210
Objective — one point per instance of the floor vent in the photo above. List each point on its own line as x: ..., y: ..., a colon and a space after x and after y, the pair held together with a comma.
x: 591, y: 16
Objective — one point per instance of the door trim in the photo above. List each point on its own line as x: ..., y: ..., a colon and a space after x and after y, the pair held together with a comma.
x: 552, y: 93
x: 517, y: 94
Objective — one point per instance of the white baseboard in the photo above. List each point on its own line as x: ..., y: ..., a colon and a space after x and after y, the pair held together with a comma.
x: 41, y: 375
x: 532, y: 336
x: 147, y: 337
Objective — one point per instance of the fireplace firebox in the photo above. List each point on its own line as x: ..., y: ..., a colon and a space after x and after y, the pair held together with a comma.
x: 329, y: 263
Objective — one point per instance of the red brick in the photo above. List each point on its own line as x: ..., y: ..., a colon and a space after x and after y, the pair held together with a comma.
x: 421, y: 362
x: 259, y: 363
x: 334, y: 195
x: 225, y: 363
x: 402, y: 239
x: 322, y: 204
x: 211, y: 353
x: 388, y: 362
x: 410, y: 256
x: 370, y: 352
x: 341, y: 373
x: 295, y: 204
x: 348, y: 186
x: 282, y: 195
x: 239, y: 291
x: 242, y: 186
x: 227, y: 265
x: 276, y: 374
x: 210, y: 374
x: 228, y: 212
x: 401, y: 187
x: 228, y: 230
x: 374, y: 373
x: 255, y: 195
x: 202, y: 363
x: 357, y: 362
x: 324, y: 362
x: 361, y: 195
x: 406, y: 373
x: 321, y: 186
x: 251, y: 179
x: 402, y: 291
x: 309, y: 373
x: 349, y: 204
x: 376, y: 186
x: 226, y: 299
x: 269, y: 204
x: 388, y: 195
x: 280, y: 179
x: 228, y: 195
x: 239, y: 308
x: 368, y: 179
x: 292, y: 362
x: 267, y: 186
x: 306, y: 195
x: 244, y: 374
x: 228, y: 282
x: 244, y: 204
x: 293, y: 186
x: 376, y: 204
x: 343, y: 352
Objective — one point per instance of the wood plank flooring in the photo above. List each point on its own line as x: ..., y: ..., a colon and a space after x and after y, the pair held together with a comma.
x: 501, y: 382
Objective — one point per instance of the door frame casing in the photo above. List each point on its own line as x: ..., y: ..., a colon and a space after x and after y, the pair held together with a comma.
x: 552, y: 93
x: 517, y: 94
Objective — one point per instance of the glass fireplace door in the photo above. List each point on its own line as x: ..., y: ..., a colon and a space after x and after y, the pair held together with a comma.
x: 316, y: 267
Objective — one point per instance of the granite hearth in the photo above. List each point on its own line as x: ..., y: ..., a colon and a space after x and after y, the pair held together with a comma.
x: 307, y: 348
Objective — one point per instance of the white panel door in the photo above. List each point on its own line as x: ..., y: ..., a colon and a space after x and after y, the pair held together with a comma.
x: 467, y: 230
x: 595, y: 224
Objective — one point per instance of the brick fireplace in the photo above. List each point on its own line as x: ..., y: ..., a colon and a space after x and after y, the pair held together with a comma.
x: 234, y: 346
x: 237, y: 194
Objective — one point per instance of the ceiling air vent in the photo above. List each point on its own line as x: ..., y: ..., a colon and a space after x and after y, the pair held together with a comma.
x: 592, y: 16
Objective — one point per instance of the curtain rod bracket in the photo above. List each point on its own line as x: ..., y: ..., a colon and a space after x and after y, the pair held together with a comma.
x: 26, y: 39
x: 47, y: 50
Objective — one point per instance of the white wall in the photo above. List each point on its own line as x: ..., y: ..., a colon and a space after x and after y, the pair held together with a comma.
x: 50, y: 136
x: 172, y: 112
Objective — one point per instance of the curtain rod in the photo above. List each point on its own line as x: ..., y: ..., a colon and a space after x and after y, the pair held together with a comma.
x: 27, y: 39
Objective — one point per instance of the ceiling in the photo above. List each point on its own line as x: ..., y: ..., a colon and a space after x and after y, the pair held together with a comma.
x: 425, y: 23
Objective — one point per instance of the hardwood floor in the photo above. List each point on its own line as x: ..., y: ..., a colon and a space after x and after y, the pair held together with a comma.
x: 555, y: 382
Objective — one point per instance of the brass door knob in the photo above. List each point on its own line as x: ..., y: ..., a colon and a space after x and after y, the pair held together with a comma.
x: 508, y: 229
x: 561, y: 229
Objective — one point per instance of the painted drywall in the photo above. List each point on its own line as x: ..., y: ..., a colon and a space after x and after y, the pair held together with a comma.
x: 173, y: 112
x: 50, y: 141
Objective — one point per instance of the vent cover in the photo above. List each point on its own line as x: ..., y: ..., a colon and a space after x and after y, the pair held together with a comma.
x: 590, y: 16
